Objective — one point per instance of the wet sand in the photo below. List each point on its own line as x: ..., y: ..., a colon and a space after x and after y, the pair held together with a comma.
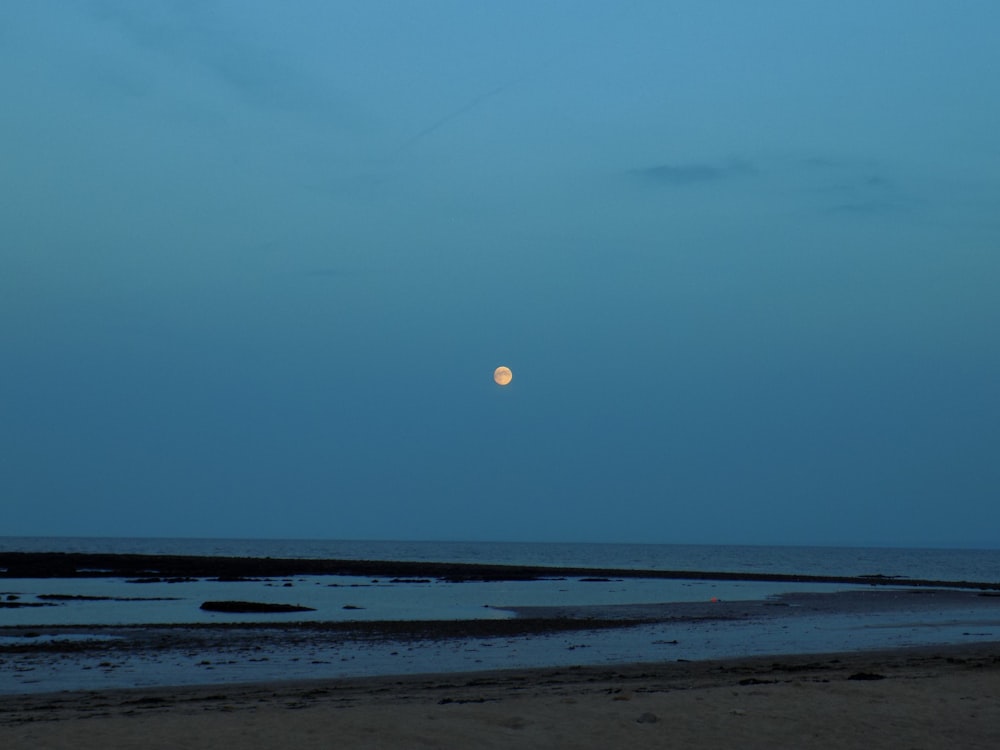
x: 39, y: 659
x: 913, y: 698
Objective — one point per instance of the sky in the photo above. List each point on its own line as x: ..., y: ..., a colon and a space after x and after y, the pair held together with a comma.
x: 258, y: 262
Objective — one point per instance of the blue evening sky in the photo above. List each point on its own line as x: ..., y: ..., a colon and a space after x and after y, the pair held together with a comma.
x: 258, y: 261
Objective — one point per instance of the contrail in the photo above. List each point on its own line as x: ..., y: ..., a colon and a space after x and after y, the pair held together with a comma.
x: 473, y: 103
x: 448, y: 118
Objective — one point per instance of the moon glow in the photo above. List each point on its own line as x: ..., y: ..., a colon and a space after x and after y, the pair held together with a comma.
x: 502, y: 375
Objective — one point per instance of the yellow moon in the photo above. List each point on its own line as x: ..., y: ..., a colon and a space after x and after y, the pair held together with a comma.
x: 502, y: 375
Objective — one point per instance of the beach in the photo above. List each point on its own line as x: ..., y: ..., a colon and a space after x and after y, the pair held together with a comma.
x: 945, y: 696
x: 127, y: 650
x: 43, y: 658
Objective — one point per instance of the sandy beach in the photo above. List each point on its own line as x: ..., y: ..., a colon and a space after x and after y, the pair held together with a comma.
x: 910, y: 698
x: 673, y: 674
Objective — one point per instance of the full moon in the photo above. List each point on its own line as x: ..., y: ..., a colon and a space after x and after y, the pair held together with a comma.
x: 502, y: 375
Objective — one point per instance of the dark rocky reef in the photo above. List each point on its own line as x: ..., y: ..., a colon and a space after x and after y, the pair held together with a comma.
x: 254, y: 607
x: 156, y: 568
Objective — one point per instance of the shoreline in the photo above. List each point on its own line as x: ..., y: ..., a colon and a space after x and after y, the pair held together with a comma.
x: 654, y: 676
x: 36, y: 659
x: 909, y: 697
x: 527, y: 621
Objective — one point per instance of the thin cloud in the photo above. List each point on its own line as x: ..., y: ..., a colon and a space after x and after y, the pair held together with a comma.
x: 190, y: 32
x: 329, y: 272
x: 854, y: 187
x: 876, y: 181
x: 833, y: 163
x: 683, y: 175
x: 867, y: 207
x: 864, y: 185
x: 339, y: 272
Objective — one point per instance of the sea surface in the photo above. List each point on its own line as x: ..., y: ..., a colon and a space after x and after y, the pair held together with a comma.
x: 88, y: 602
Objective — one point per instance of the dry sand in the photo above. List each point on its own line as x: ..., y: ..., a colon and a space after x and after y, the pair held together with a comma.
x: 944, y: 697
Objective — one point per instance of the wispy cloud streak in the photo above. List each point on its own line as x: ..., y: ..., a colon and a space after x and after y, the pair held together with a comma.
x: 693, y: 173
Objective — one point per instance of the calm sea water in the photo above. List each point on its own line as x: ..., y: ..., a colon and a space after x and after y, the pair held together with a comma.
x: 936, y: 564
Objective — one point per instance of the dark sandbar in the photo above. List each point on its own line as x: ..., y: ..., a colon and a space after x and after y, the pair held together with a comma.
x: 185, y: 567
x: 253, y: 607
